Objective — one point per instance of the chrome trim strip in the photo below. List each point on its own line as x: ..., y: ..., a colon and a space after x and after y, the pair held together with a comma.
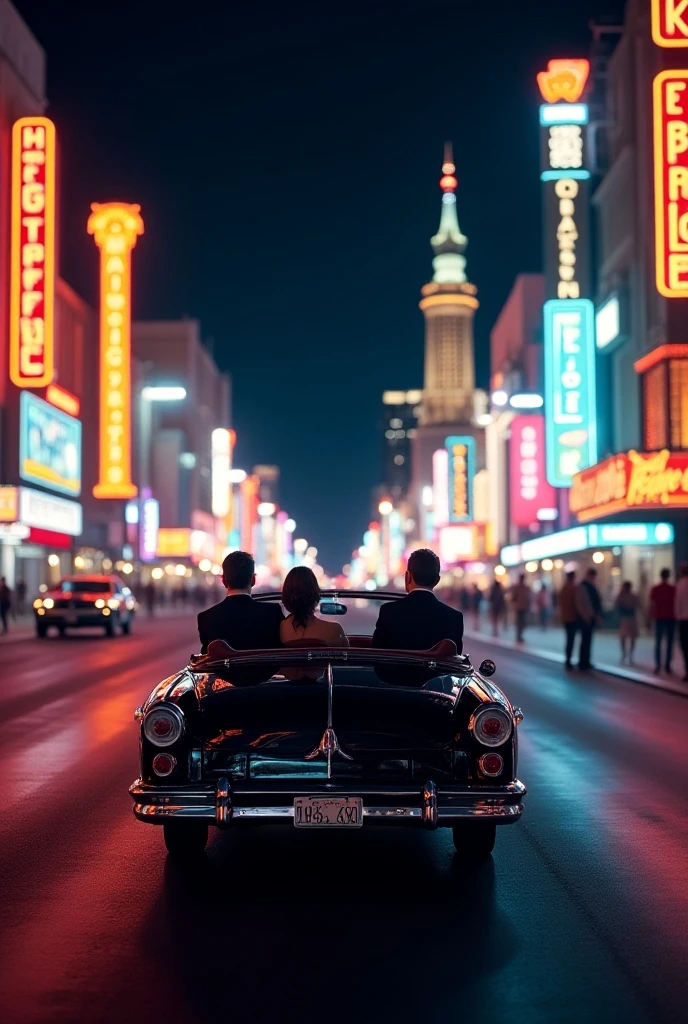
x: 311, y: 787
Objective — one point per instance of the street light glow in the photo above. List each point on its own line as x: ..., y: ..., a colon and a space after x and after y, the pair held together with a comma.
x: 163, y: 393
x: 385, y: 507
x: 237, y: 476
x: 266, y: 508
x: 289, y: 525
x: 526, y: 401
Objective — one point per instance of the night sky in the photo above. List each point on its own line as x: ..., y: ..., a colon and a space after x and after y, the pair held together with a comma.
x: 286, y: 158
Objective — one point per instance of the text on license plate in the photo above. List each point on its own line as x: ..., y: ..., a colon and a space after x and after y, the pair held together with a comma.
x: 324, y: 812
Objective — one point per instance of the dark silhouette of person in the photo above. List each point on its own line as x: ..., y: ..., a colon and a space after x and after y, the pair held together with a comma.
x: 419, y: 621
x: 243, y: 623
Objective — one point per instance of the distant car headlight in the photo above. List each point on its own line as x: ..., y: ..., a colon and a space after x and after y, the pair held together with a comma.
x: 113, y: 603
x: 100, y: 603
x: 38, y: 603
x: 163, y: 725
x: 48, y: 602
x: 491, y: 726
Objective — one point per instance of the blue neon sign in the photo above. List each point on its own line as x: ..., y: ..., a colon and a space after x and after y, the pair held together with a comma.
x: 563, y: 113
x: 49, y: 446
x: 461, y: 451
x: 570, y: 408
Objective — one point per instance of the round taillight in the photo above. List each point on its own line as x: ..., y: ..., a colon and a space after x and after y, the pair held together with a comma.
x: 163, y: 725
x: 164, y: 764
x: 490, y: 764
x: 492, y: 727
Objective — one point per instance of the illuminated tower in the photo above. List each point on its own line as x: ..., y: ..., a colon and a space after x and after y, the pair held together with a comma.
x: 449, y: 303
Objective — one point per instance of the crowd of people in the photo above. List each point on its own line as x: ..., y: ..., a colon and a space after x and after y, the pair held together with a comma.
x: 578, y: 608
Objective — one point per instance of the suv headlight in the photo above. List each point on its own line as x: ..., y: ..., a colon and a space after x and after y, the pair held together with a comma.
x: 491, y: 726
x: 163, y: 725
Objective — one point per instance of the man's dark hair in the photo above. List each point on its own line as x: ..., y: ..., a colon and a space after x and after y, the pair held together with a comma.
x: 591, y: 572
x: 665, y: 574
x: 570, y: 576
x: 237, y: 570
x: 424, y: 566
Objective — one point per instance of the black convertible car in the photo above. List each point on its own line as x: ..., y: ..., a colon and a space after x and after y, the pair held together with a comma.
x: 318, y: 737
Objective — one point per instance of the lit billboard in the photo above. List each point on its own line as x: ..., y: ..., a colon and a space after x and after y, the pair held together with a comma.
x: 49, y: 446
x: 670, y: 121
x: 529, y: 490
x: 149, y: 523
x: 461, y: 452
x: 570, y: 414
x: 440, y: 487
x: 115, y: 227
x: 32, y: 252
x: 670, y: 23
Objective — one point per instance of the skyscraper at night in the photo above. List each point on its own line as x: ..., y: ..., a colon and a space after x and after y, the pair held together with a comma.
x: 449, y: 303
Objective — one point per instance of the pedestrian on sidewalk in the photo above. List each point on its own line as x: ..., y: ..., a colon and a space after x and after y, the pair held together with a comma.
x: 627, y: 606
x: 20, y: 595
x: 663, y: 614
x: 681, y: 613
x: 544, y: 605
x: 497, y: 602
x: 476, y: 602
x: 589, y: 606
x: 568, y: 614
x: 520, y: 598
x: 5, y: 602
x: 150, y: 596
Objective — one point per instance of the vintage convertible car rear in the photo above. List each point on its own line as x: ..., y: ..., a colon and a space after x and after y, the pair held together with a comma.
x: 318, y: 737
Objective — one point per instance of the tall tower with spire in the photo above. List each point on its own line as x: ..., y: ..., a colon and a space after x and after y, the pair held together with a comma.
x: 449, y: 303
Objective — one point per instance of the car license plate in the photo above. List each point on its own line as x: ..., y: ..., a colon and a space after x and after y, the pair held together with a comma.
x: 328, y: 812
x: 71, y: 620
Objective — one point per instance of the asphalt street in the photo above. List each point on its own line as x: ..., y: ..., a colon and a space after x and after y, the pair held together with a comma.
x: 581, y: 915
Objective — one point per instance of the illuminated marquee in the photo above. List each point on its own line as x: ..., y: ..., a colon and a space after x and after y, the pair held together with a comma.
x: 115, y: 226
x: 563, y: 80
x: 569, y: 389
x: 631, y: 480
x: 670, y: 22
x: 49, y: 446
x: 32, y: 282
x: 670, y: 113
x: 461, y: 451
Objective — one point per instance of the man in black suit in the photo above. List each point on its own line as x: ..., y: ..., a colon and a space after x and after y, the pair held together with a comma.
x: 419, y: 621
x: 245, y: 624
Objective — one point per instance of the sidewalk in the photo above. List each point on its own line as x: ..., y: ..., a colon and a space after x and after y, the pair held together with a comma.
x: 606, y: 652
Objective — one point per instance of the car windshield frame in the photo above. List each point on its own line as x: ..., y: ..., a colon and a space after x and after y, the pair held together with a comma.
x: 460, y: 665
x: 85, y: 587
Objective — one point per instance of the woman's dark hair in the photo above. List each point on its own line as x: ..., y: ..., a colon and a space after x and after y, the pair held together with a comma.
x: 300, y: 594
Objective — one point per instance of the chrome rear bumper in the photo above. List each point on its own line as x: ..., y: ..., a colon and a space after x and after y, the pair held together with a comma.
x: 427, y: 807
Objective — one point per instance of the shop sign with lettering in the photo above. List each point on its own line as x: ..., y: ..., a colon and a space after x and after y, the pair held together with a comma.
x: 631, y: 480
x: 570, y: 408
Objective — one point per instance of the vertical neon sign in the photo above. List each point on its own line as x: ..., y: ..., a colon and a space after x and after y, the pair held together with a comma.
x: 32, y: 261
x: 115, y: 227
x: 569, y: 388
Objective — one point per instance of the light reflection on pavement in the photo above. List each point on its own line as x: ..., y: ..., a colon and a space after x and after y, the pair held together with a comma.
x: 581, y: 915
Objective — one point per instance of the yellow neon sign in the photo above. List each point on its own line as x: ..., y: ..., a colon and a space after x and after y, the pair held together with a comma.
x: 115, y: 227
x: 32, y: 261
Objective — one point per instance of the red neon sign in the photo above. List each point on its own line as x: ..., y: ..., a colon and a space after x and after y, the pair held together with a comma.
x: 529, y: 489
x: 670, y: 111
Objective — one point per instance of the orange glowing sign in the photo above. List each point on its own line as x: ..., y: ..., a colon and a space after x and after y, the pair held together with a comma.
x: 670, y: 22
x: 563, y: 80
x: 631, y: 481
x: 115, y: 226
x: 9, y: 504
x: 63, y: 399
x: 174, y: 542
x: 670, y: 113
x: 32, y: 261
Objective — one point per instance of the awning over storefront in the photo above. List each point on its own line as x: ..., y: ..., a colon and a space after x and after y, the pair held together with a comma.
x: 581, y: 538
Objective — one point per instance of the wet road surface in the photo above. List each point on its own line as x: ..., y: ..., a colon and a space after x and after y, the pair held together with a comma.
x: 581, y: 915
